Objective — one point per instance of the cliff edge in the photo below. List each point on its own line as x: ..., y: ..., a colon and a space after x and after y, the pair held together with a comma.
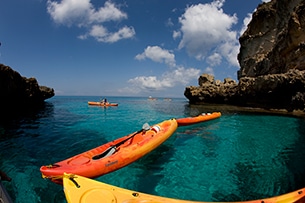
x: 272, y: 62
x: 19, y: 92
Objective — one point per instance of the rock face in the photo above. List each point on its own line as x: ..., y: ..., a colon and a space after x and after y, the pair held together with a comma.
x: 275, y: 39
x: 272, y: 61
x: 18, y: 92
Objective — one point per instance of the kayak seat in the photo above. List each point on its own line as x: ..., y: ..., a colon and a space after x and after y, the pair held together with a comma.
x: 106, y: 153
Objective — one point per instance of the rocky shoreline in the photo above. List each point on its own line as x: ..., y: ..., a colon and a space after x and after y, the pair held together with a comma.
x: 19, y: 94
x: 272, y: 63
x: 275, y: 91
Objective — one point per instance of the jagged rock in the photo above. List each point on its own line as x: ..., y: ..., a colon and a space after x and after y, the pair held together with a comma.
x: 19, y: 92
x: 206, y: 79
x: 272, y: 62
x: 274, y: 40
x: 276, y: 91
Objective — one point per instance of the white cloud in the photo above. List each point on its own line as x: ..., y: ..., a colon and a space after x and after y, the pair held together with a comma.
x: 182, y: 75
x: 230, y: 50
x: 82, y: 13
x: 177, y: 75
x: 157, y: 54
x: 167, y: 80
x: 176, y: 34
x: 206, y: 28
x: 107, y: 13
x: 149, y: 82
x: 209, y: 70
x: 246, y: 21
x: 214, y: 59
x: 69, y: 12
x: 101, y: 34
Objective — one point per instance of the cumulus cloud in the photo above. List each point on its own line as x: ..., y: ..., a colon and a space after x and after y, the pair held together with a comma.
x: 167, y: 80
x: 101, y: 34
x: 83, y: 14
x: 206, y: 28
x: 176, y: 75
x: 214, y: 59
x: 157, y: 54
x: 246, y: 21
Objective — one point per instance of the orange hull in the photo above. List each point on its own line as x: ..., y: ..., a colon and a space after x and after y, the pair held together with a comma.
x: 102, y: 104
x: 94, y: 163
x: 198, y: 119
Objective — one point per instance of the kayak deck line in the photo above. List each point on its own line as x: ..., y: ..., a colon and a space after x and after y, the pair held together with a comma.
x: 113, y: 155
x: 85, y: 190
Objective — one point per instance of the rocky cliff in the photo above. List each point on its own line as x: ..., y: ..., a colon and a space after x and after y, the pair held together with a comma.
x: 272, y: 62
x: 275, y: 39
x: 19, y: 92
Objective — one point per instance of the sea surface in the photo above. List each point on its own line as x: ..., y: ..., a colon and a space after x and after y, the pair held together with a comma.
x: 239, y: 156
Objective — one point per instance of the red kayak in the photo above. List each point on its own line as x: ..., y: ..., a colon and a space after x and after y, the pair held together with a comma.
x: 198, y: 119
x: 112, y: 155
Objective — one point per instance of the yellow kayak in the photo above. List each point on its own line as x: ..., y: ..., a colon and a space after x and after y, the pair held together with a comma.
x: 79, y: 189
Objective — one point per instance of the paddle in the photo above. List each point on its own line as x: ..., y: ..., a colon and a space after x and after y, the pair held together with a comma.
x: 113, y: 148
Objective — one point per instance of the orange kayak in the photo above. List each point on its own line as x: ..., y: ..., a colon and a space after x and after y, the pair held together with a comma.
x: 198, y: 119
x: 112, y: 155
x: 85, y: 190
x: 102, y: 103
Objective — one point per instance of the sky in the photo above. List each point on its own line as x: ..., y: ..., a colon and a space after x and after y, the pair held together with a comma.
x: 123, y: 47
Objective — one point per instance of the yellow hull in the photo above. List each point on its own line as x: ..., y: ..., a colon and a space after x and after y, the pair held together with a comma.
x: 83, y: 190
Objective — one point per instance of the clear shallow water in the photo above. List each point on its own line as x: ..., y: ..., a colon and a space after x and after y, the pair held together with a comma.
x: 240, y: 156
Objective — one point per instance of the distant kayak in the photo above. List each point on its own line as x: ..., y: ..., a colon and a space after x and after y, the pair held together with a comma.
x: 102, y: 103
x: 112, y: 155
x: 79, y: 189
x: 198, y: 119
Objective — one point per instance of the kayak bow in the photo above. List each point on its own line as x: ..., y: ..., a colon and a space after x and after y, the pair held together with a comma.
x: 198, y: 119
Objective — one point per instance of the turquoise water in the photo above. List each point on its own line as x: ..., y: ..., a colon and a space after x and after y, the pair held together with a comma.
x: 240, y: 156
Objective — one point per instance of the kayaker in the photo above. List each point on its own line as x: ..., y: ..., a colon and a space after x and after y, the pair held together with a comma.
x: 104, y: 101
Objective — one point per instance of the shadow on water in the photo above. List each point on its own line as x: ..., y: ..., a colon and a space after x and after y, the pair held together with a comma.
x: 151, y: 165
x: 296, y: 162
x: 27, y: 118
x: 16, y: 129
x: 291, y: 158
x: 194, y: 109
x: 31, y: 139
x: 291, y: 177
